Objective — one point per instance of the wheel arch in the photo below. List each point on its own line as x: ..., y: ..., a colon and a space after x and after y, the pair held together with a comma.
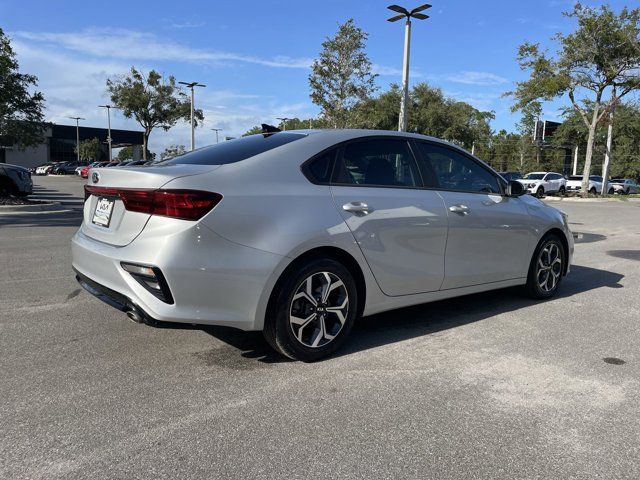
x: 335, y: 253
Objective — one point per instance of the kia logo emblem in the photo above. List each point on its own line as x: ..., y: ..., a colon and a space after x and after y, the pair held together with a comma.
x: 95, y: 176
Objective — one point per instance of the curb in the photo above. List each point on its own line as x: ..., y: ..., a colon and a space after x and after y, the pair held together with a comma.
x: 597, y: 200
x: 36, y: 208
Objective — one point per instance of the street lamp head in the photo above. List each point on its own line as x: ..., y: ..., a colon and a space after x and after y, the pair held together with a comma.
x: 420, y: 8
x: 399, y: 9
x: 192, y: 84
x: 404, y: 13
x: 396, y: 18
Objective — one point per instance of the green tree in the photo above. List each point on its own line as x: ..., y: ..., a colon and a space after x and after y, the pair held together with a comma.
x: 172, y: 151
x: 342, y: 75
x: 596, y: 65
x: 626, y: 139
x: 151, y: 100
x: 431, y: 113
x: 21, y: 112
x: 125, y: 153
x: 89, y: 149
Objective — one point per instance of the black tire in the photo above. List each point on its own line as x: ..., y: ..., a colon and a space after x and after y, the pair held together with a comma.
x: 540, y: 192
x: 535, y: 274
x: 593, y: 191
x: 279, y: 328
x: 7, y: 188
x: 562, y: 191
x: 611, y: 191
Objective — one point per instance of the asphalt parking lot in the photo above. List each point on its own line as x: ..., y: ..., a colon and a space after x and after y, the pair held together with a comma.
x: 492, y: 386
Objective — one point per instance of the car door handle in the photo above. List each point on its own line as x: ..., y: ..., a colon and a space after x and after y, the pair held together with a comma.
x: 463, y: 209
x: 357, y: 208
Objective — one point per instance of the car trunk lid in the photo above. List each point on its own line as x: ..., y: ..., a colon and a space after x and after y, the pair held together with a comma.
x: 113, y: 223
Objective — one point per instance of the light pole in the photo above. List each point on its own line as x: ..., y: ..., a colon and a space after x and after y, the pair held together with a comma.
x: 284, y: 121
x: 408, y: 15
x: 108, y: 107
x: 216, y: 130
x: 192, y: 85
x: 77, y: 119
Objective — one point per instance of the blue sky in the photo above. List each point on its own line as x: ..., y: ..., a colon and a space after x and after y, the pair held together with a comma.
x: 255, y: 62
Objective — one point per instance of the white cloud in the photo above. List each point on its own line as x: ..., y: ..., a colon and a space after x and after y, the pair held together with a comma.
x: 187, y: 24
x: 474, y: 78
x: 125, y: 44
x: 79, y: 87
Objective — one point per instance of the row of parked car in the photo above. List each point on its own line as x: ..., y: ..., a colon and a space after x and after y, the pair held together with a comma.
x: 80, y: 168
x: 549, y: 183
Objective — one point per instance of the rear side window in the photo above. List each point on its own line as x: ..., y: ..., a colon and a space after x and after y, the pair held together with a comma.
x: 235, y: 150
x: 318, y: 170
x: 456, y: 171
x: 379, y: 162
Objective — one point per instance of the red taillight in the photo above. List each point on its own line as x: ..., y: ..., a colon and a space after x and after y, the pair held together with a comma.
x: 183, y: 204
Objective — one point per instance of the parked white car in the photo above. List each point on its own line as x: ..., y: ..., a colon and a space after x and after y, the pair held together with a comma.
x: 624, y: 186
x: 543, y: 183
x: 574, y: 184
x: 44, y: 169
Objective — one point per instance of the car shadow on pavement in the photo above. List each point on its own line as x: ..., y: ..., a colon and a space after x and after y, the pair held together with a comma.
x: 72, y: 218
x: 411, y: 322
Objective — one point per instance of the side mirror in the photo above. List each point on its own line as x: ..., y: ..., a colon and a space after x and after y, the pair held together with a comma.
x: 515, y: 189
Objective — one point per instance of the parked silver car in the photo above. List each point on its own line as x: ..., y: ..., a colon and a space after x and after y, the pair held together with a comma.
x: 15, y: 180
x: 624, y: 186
x: 298, y: 233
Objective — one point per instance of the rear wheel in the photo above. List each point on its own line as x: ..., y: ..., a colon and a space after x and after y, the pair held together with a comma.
x: 562, y: 191
x: 593, y: 191
x: 313, y: 310
x: 546, y: 268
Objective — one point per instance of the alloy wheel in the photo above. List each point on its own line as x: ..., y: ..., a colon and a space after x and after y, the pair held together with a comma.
x: 549, y: 267
x: 319, y: 309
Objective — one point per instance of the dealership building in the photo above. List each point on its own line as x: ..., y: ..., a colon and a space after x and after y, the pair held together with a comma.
x: 59, y: 143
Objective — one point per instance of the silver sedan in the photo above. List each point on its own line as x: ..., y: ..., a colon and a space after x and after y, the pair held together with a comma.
x: 299, y: 233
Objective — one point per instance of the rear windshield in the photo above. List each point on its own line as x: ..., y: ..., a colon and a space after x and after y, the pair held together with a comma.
x: 236, y: 150
x: 575, y: 177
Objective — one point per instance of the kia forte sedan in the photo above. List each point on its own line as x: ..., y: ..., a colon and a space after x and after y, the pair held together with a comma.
x: 299, y: 233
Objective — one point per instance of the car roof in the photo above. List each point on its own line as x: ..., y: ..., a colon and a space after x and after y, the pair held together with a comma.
x: 344, y: 134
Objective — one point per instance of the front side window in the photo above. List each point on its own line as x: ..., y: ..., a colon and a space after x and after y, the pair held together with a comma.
x: 456, y: 171
x: 378, y: 162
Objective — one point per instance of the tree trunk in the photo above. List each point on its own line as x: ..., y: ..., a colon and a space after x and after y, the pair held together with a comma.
x: 584, y: 191
x: 145, y: 141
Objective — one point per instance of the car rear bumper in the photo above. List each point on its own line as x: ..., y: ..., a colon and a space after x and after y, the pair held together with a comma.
x: 212, y: 281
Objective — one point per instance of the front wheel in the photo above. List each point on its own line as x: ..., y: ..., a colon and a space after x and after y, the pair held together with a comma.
x: 540, y: 192
x: 546, y: 268
x: 562, y: 191
x: 593, y: 191
x: 313, y: 310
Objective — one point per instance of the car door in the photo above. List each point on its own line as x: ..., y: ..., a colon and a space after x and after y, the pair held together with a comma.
x: 549, y: 182
x: 400, y: 226
x: 489, y: 233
